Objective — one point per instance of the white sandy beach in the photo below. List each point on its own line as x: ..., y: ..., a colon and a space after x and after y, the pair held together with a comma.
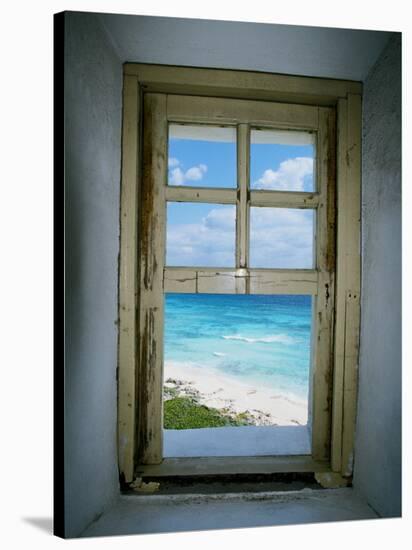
x: 223, y: 391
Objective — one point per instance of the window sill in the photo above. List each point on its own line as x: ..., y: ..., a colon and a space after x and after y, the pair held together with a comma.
x: 232, y: 465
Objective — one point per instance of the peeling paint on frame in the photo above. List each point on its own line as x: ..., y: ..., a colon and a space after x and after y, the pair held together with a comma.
x: 234, y: 84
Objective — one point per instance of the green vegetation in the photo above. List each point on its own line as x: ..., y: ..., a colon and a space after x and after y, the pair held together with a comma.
x: 170, y: 392
x: 182, y: 413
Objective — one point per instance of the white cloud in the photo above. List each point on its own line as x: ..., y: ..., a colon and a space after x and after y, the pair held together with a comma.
x: 211, y: 242
x: 290, y: 176
x: 196, y: 172
x: 279, y: 238
x: 173, y: 162
x: 178, y: 177
x: 221, y: 218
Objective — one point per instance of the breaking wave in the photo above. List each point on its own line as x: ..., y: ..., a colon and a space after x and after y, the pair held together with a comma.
x: 281, y: 338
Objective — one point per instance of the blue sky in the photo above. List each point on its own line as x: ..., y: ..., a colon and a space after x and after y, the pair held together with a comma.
x: 219, y: 158
x: 204, y: 234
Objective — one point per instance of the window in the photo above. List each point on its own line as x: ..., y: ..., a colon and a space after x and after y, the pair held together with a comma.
x: 262, y: 208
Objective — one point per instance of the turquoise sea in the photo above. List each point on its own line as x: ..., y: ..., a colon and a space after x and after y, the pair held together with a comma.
x: 258, y: 339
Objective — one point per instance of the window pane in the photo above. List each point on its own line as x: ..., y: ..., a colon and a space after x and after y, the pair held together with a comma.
x: 202, y: 156
x: 282, y: 160
x: 245, y: 357
x: 200, y: 234
x: 282, y: 238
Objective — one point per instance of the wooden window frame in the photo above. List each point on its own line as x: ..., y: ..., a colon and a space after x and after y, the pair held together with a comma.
x: 320, y: 99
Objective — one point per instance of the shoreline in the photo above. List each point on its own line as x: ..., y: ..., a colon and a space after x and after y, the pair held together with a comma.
x: 264, y: 406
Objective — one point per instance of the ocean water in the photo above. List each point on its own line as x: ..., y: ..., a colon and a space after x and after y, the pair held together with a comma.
x: 258, y: 339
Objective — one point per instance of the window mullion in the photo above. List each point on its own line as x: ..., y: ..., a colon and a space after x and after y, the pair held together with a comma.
x: 242, y: 206
x: 200, y: 194
x: 283, y: 199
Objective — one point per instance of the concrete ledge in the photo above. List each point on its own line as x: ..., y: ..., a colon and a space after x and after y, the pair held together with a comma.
x: 174, y: 513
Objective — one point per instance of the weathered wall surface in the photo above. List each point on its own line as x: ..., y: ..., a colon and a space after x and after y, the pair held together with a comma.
x: 378, y: 437
x: 93, y: 119
x: 290, y: 49
x: 93, y: 80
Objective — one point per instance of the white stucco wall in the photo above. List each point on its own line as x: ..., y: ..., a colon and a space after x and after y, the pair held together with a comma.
x: 289, y: 49
x: 378, y: 437
x: 93, y: 80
